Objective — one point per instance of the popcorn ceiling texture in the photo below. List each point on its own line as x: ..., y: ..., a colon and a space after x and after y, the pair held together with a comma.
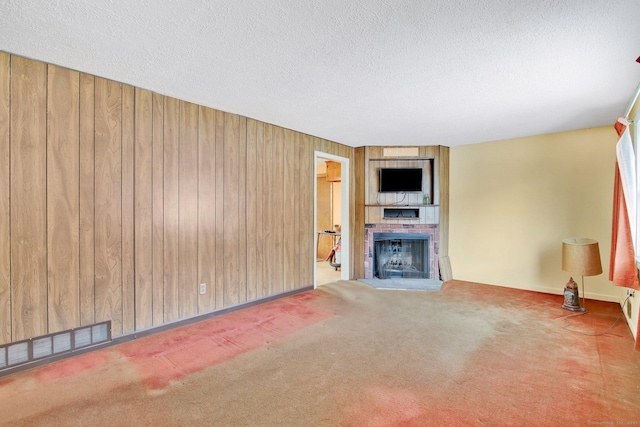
x: 358, y: 72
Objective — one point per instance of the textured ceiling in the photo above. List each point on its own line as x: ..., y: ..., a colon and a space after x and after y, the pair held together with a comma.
x: 359, y: 72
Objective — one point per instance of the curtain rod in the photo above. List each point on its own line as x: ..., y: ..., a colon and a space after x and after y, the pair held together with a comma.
x: 633, y: 101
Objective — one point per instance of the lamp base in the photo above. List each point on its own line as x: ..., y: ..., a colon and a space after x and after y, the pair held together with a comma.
x: 572, y: 308
x: 572, y: 297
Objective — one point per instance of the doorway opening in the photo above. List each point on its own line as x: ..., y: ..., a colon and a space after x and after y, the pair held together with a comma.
x: 331, y: 218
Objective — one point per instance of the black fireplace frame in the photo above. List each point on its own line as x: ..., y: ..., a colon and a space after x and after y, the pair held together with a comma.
x: 378, y: 237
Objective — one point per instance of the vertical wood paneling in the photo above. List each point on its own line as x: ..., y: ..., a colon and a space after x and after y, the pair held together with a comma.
x: 232, y: 194
x: 206, y: 208
x: 429, y: 152
x: 28, y: 154
x: 280, y: 217
x: 128, y: 200
x: 436, y: 164
x: 143, y: 208
x: 171, y: 221
x: 375, y: 152
x: 319, y: 145
x: 5, y: 208
x: 330, y: 147
x: 298, y: 236
x: 356, y: 237
x: 347, y: 152
x: 444, y: 201
x: 372, y: 177
x: 251, y: 195
x: 242, y: 209
x: 268, y: 204
x: 252, y: 211
x: 220, y: 219
x: 358, y: 184
x: 262, y: 258
x: 307, y: 236
x: 335, y: 149
x: 255, y: 225
x: 188, y: 211
x: 63, y: 210
x: 108, y: 204
x: 158, y: 209
x: 87, y: 157
x: 289, y: 233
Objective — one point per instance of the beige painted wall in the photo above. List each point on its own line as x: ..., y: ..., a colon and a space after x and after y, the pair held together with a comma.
x: 513, y: 201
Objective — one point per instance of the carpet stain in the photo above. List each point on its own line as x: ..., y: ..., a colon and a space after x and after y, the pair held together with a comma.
x: 306, y: 296
x: 176, y: 354
x: 386, y: 406
x: 74, y: 366
x: 6, y: 381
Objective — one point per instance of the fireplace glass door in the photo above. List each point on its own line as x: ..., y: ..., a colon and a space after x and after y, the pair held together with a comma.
x: 401, y: 257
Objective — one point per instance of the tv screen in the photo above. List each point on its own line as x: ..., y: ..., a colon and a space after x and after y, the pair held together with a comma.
x: 399, y: 180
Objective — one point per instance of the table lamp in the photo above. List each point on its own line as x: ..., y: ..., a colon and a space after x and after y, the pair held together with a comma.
x: 580, y: 256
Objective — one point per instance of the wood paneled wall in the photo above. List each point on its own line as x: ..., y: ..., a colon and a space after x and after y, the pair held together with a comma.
x: 443, y: 195
x: 117, y: 202
x: 359, y: 184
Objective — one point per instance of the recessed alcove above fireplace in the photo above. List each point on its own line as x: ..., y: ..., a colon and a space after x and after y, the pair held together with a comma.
x: 402, y: 213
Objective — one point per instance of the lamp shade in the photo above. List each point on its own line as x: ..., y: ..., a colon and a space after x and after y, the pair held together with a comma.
x: 581, y: 256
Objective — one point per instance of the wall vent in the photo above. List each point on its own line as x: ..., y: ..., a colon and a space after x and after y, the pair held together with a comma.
x: 400, y: 152
x: 39, y: 348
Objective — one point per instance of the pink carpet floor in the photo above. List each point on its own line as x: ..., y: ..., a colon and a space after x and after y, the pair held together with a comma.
x: 350, y: 355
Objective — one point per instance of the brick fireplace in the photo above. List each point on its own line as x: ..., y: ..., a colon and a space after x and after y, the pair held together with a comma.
x: 404, y: 207
x: 427, y: 231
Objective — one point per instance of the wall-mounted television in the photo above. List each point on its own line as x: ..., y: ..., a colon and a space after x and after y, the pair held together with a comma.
x: 400, y: 180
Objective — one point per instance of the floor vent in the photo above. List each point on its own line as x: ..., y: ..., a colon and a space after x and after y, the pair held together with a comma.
x: 38, y: 348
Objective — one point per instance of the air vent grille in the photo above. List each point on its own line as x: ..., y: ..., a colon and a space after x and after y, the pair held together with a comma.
x: 38, y: 348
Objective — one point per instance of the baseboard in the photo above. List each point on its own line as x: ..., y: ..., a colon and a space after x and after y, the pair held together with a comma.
x: 151, y: 331
x: 587, y: 295
x: 558, y: 291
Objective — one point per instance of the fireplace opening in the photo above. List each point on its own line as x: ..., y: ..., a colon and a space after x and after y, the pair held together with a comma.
x: 401, y: 255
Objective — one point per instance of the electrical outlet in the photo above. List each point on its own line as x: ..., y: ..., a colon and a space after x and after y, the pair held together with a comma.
x: 203, y: 288
x: 631, y: 293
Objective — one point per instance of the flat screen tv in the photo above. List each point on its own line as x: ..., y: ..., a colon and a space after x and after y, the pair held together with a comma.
x: 400, y: 180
